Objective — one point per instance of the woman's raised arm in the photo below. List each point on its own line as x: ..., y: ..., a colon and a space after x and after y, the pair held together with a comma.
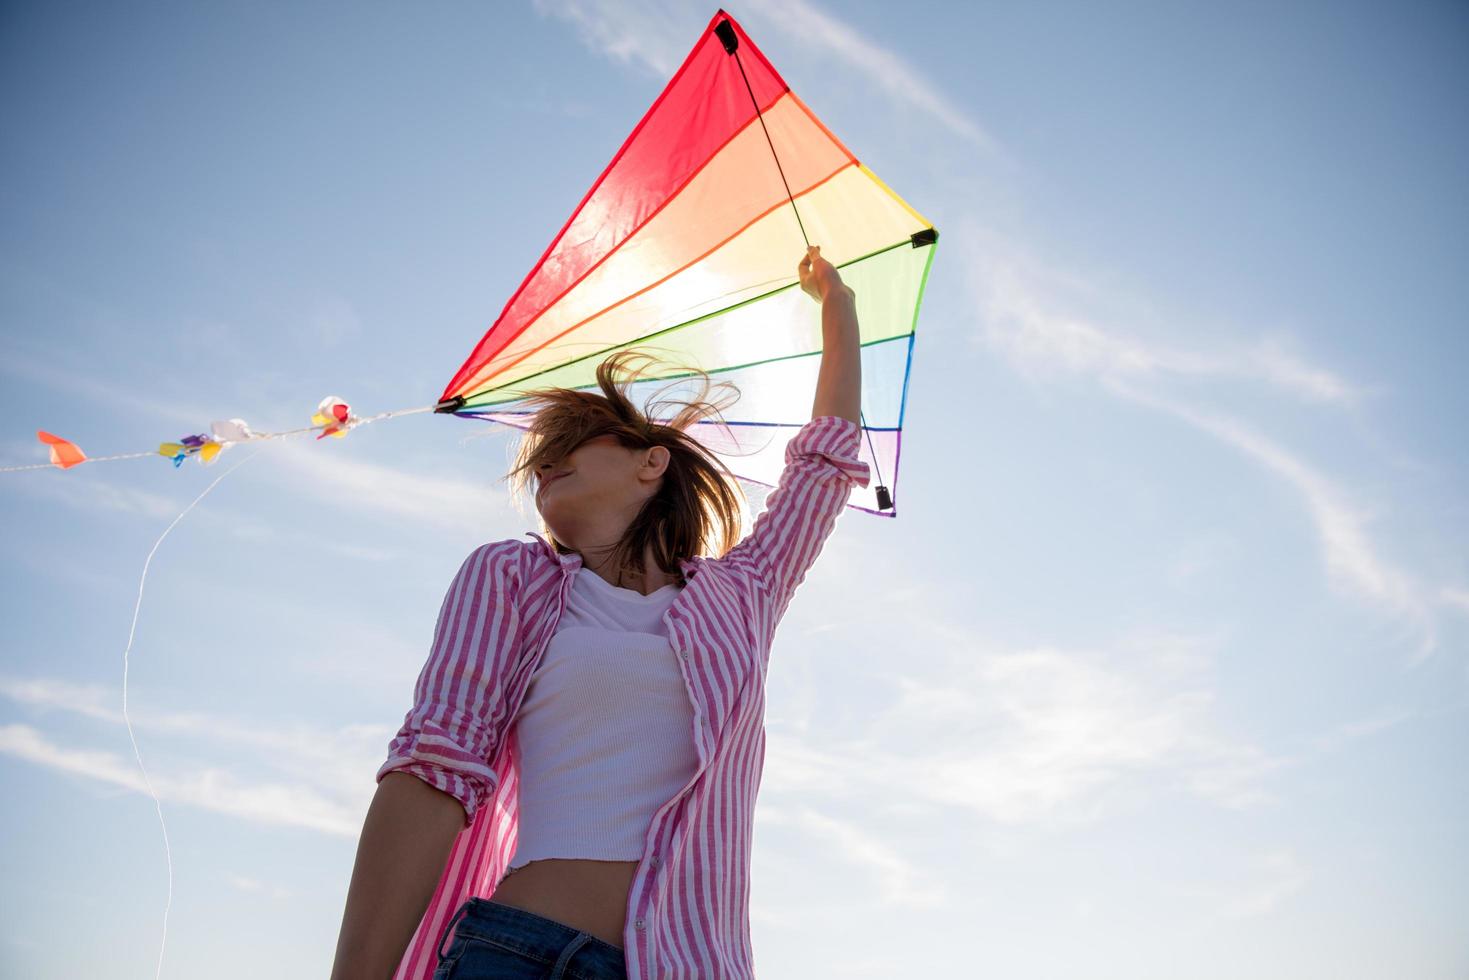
x: 839, y: 383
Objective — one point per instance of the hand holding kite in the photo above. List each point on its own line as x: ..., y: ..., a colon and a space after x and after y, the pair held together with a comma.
x: 818, y: 276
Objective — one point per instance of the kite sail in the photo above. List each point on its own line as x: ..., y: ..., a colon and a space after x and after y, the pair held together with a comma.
x: 688, y: 243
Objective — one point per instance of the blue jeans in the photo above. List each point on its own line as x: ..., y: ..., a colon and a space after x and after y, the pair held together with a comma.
x: 504, y: 943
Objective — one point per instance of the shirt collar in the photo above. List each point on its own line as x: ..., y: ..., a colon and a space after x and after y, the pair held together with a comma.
x: 572, y: 561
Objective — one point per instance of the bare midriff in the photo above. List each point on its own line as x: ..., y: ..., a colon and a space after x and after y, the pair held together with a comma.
x: 589, y: 896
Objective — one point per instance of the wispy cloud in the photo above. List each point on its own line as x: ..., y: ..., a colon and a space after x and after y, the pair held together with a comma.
x: 433, y: 500
x: 1019, y: 298
x: 897, y: 879
x: 300, y: 805
x: 809, y: 25
x: 1039, y: 737
x: 1046, y: 731
x: 655, y: 37
x: 1353, y: 564
x: 332, y: 766
x: 1023, y: 321
x: 651, y: 35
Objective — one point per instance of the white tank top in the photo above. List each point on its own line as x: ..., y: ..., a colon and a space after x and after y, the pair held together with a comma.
x: 605, y: 733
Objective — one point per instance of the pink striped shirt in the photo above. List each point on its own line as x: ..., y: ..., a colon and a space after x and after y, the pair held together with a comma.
x: 688, y: 906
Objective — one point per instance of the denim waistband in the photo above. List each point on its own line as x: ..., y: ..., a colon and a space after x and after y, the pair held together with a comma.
x: 529, y: 934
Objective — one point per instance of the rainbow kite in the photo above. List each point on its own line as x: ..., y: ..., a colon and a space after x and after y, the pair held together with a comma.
x: 688, y: 242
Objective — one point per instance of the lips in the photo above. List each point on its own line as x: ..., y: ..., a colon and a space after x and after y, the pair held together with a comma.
x: 550, y: 481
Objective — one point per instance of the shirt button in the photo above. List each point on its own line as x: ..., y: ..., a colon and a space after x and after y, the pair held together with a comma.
x: 640, y: 923
x: 685, y: 655
x: 655, y: 860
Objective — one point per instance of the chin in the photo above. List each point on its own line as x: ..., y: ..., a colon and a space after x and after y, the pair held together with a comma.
x: 553, y: 525
x: 562, y: 517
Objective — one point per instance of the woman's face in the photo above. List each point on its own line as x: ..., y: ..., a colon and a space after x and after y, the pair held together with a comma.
x: 597, y: 488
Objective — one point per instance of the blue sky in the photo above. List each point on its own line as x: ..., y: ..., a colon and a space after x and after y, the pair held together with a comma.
x: 1160, y: 672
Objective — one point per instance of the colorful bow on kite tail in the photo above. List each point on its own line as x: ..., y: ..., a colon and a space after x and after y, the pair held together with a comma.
x: 206, y: 448
x: 685, y: 243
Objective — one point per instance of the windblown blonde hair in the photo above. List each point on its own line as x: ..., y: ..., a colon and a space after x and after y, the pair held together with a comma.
x: 697, y: 509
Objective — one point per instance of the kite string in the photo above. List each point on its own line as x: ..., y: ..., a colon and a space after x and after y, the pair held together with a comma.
x: 132, y: 631
x: 792, y: 198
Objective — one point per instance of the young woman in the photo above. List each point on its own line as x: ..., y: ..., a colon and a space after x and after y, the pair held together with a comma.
x: 572, y: 794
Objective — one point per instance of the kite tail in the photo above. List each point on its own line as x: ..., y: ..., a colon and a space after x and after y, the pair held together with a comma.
x: 333, y: 418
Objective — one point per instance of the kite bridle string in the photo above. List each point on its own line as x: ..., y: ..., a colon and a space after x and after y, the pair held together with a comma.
x: 730, y: 46
x: 761, y: 116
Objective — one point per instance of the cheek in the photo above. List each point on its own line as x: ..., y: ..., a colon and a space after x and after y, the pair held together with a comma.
x: 594, y: 472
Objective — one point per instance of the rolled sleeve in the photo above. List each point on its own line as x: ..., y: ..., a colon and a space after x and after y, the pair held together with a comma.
x: 450, y: 735
x: 821, y: 467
